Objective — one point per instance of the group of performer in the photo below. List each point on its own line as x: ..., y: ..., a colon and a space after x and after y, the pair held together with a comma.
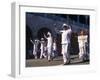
x: 49, y: 48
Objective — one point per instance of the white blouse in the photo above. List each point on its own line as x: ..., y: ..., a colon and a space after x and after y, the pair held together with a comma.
x: 82, y: 40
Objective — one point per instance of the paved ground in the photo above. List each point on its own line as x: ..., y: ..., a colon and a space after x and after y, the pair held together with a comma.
x: 55, y: 62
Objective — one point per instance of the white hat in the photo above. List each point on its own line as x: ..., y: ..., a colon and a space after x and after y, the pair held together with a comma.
x: 64, y: 25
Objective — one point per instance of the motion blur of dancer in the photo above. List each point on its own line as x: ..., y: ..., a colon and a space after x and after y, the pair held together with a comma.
x: 66, y: 35
x: 49, y: 45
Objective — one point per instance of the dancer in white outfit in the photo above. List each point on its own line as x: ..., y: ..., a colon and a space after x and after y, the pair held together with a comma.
x: 54, y: 54
x: 66, y: 34
x: 42, y: 48
x: 35, y: 47
x: 49, y: 45
x: 82, y: 40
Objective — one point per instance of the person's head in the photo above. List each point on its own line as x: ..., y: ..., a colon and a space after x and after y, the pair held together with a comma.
x: 65, y: 26
x: 49, y: 34
x: 36, y: 40
x: 42, y: 39
x: 82, y: 32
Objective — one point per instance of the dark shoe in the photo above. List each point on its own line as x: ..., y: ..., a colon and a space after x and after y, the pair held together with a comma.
x: 65, y: 63
x: 69, y: 62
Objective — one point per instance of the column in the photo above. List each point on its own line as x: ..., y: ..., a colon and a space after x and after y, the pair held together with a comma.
x: 78, y: 18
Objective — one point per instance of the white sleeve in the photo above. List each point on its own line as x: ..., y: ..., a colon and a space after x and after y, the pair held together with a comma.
x: 69, y: 30
x: 61, y: 31
x: 85, y: 38
x: 79, y: 38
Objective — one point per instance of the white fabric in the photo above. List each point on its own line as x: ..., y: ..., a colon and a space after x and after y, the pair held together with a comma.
x: 65, y: 52
x: 49, y: 41
x: 49, y: 46
x: 54, y: 46
x: 49, y: 50
x: 82, y: 47
x: 64, y: 48
x: 66, y: 36
x: 35, y: 50
x: 42, y: 49
x: 82, y: 40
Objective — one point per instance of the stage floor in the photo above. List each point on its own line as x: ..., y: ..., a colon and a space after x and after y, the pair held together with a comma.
x: 56, y: 62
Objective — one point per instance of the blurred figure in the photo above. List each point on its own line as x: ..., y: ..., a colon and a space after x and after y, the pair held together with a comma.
x: 66, y: 35
x: 42, y: 48
x: 45, y: 49
x: 87, y: 57
x: 35, y: 47
x: 82, y: 40
x: 49, y: 45
x: 54, y: 52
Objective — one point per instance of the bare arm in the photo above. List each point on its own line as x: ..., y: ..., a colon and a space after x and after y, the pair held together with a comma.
x: 31, y: 41
x: 45, y: 36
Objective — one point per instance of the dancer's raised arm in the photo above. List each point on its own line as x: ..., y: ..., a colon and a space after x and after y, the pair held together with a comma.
x: 31, y: 41
x: 45, y: 36
x: 58, y: 31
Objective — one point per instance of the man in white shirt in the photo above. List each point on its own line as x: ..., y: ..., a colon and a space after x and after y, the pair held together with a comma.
x: 49, y: 45
x: 65, y: 41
